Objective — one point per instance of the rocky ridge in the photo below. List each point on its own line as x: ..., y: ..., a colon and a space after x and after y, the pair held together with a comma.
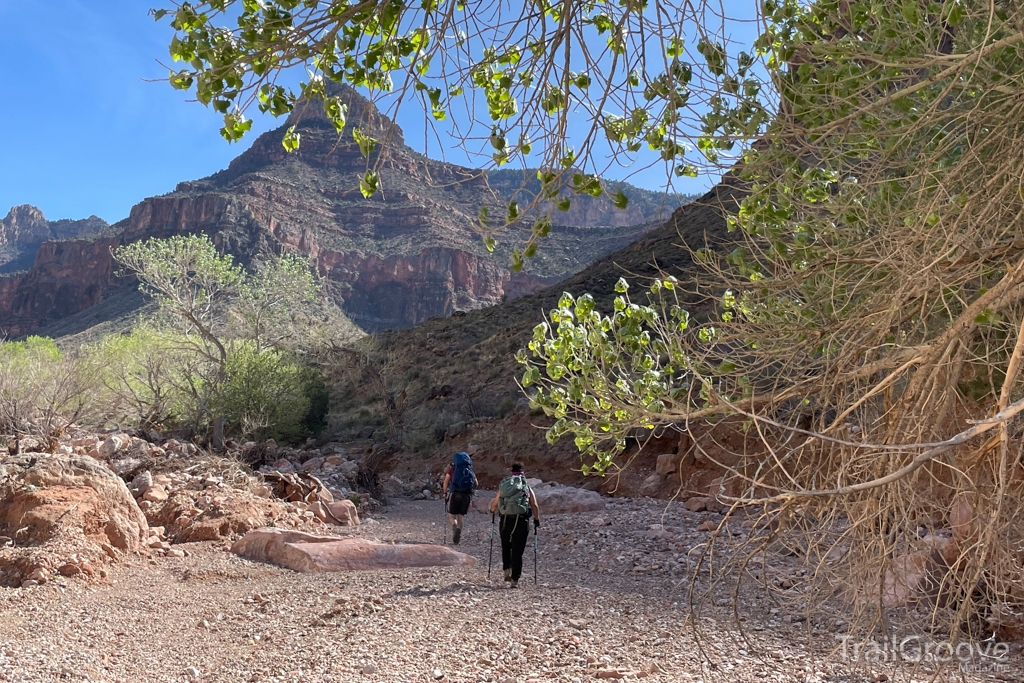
x: 25, y: 229
x: 411, y: 252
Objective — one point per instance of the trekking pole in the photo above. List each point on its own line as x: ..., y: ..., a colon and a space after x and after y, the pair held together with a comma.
x: 490, y: 551
x: 536, y: 534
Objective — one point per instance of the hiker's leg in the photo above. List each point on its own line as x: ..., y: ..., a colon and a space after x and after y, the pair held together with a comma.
x: 457, y: 529
x: 505, y: 531
x: 519, y: 536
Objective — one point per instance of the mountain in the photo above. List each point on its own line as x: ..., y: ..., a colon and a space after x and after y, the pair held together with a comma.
x: 409, y: 253
x: 25, y: 228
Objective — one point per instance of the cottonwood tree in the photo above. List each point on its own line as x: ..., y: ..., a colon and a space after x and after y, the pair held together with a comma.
x: 866, y: 326
x: 565, y: 86
x: 230, y: 331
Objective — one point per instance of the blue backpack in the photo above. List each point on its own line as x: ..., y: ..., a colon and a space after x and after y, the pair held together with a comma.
x: 462, y: 474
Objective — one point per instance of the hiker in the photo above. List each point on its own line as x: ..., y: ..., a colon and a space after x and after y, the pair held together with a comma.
x: 459, y: 484
x: 515, y: 503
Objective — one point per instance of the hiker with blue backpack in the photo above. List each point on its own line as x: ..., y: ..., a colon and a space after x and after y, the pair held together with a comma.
x: 459, y: 484
x: 516, y: 504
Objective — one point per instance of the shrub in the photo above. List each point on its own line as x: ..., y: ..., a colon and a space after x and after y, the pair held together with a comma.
x: 271, y: 394
x: 42, y: 389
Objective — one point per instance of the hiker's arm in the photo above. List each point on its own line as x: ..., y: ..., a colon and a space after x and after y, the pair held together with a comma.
x: 534, y: 506
x: 494, y: 503
x: 444, y: 486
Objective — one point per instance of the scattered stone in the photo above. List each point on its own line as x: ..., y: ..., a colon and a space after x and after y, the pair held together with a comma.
x: 651, y: 485
x: 707, y: 525
x: 113, y: 444
x: 155, y: 494
x: 696, y: 504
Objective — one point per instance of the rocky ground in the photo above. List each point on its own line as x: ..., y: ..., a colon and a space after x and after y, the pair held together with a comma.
x: 609, y: 604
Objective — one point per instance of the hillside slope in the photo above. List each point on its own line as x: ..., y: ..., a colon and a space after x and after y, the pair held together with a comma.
x: 458, y: 374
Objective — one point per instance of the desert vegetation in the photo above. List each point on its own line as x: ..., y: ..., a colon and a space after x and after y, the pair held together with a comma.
x: 228, y: 353
x: 855, y: 337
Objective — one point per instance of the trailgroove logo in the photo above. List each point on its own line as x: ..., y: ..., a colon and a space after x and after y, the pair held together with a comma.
x: 988, y: 657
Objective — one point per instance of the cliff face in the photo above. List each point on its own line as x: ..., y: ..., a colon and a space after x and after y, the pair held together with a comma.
x: 409, y: 253
x: 25, y: 228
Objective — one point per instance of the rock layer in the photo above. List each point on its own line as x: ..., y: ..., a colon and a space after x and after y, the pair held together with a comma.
x: 410, y: 252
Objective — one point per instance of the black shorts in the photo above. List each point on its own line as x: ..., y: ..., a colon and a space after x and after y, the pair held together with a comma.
x: 458, y: 502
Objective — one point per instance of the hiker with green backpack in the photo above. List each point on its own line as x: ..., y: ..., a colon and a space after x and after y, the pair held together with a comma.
x: 515, y: 503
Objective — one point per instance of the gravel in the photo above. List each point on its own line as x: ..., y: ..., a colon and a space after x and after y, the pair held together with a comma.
x: 609, y: 604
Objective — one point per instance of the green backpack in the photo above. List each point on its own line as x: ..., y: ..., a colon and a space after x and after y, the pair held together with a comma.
x: 514, y: 496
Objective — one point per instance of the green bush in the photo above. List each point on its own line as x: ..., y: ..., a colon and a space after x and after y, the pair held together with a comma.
x: 42, y: 389
x: 271, y: 394
x: 140, y: 376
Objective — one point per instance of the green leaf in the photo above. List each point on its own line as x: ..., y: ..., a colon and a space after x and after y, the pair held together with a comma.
x: 368, y: 185
x: 291, y: 139
x: 620, y: 200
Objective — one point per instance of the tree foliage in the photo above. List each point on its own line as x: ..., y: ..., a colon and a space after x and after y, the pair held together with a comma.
x: 41, y: 388
x: 230, y: 344
x: 867, y: 315
x: 864, y: 328
x: 567, y: 87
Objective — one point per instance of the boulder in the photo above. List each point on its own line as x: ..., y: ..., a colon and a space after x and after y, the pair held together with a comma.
x: 155, y: 494
x: 696, y: 503
x: 559, y: 500
x: 61, y: 510
x: 652, y: 485
x: 142, y: 482
x: 668, y: 463
x: 341, y: 512
x: 481, y: 501
x: 311, y: 464
x: 282, y: 465
x: 310, y: 553
x: 113, y: 443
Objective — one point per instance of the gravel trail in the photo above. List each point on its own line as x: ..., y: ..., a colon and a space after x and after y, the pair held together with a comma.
x: 608, y: 605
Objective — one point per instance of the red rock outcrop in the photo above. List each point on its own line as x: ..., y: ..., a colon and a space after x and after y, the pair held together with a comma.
x: 410, y: 252
x: 63, y: 514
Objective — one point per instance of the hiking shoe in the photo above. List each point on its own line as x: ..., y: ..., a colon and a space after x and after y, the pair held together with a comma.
x: 513, y: 583
x: 456, y: 535
x: 508, y: 574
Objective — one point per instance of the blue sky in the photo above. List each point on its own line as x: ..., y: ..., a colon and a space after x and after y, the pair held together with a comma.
x: 86, y: 134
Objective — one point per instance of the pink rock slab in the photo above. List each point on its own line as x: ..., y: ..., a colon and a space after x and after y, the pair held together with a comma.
x: 310, y: 553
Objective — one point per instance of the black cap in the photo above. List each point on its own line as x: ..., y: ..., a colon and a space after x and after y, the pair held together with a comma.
x: 516, y: 467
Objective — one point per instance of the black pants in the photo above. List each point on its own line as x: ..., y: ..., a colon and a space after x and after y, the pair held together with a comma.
x: 514, y: 530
